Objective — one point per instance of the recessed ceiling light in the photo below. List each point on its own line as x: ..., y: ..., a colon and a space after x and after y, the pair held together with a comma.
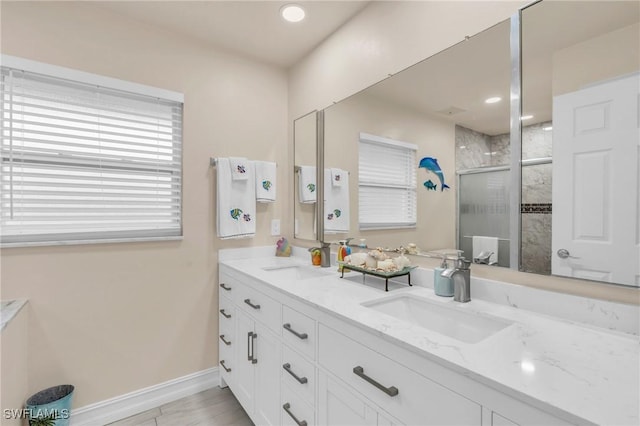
x: 526, y: 117
x: 493, y: 100
x: 292, y: 13
x: 548, y: 129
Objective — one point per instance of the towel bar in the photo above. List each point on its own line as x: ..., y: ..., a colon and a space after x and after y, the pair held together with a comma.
x: 499, y: 239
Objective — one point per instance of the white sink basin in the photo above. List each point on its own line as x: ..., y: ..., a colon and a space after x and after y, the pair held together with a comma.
x: 464, y: 326
x: 294, y: 272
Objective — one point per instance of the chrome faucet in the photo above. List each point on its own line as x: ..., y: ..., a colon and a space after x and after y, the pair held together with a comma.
x: 461, y: 276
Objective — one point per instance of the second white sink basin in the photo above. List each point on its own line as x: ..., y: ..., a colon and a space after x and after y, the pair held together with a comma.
x: 464, y: 326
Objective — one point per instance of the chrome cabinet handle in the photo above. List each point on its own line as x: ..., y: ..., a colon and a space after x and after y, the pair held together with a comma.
x: 301, y: 336
x: 391, y: 391
x: 225, y: 287
x: 228, y: 370
x: 225, y: 341
x: 251, y: 336
x: 287, y: 368
x: 287, y: 408
x: 564, y: 254
x: 248, y: 302
x: 224, y: 314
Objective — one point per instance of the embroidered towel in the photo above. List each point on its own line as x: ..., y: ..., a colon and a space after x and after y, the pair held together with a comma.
x: 307, y: 184
x: 236, y: 202
x: 336, y: 205
x: 489, y: 244
x: 265, y: 181
x: 336, y: 177
x: 239, y: 166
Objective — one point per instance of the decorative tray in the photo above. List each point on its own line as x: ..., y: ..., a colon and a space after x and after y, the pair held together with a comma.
x: 406, y: 271
x: 381, y: 274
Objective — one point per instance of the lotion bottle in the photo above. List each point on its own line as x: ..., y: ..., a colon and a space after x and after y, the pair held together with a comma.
x: 442, y: 286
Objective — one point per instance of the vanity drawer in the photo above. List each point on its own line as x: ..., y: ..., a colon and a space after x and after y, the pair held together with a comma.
x: 299, y: 331
x: 226, y: 285
x: 296, y: 370
x: 295, y: 410
x: 226, y: 314
x: 227, y: 363
x: 412, y: 398
x: 260, y: 306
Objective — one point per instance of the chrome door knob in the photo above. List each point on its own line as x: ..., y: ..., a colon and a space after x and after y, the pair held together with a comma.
x: 564, y: 254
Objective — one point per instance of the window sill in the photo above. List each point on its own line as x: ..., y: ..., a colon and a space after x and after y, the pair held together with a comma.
x: 83, y: 242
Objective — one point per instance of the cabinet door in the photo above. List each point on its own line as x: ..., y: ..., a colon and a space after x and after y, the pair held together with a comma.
x: 338, y: 405
x: 245, y: 368
x: 267, y: 354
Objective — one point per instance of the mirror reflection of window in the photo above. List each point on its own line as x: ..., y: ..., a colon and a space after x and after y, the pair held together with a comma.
x: 387, y: 184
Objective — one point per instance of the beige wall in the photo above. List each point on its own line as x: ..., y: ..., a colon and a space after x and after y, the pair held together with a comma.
x: 114, y: 318
x: 435, y: 138
x: 600, y: 58
x: 14, y: 353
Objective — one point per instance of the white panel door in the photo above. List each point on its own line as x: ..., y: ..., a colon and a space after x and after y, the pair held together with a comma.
x: 595, y: 182
x: 243, y: 386
x: 267, y: 354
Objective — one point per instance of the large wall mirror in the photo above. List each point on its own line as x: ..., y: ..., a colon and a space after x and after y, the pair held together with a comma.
x: 437, y: 119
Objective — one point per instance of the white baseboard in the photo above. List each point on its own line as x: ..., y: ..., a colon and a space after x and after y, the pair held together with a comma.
x: 141, y: 400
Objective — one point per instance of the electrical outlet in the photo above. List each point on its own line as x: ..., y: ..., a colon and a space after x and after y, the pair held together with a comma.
x: 275, y: 227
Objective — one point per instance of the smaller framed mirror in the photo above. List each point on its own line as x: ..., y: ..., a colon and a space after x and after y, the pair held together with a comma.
x: 305, y: 131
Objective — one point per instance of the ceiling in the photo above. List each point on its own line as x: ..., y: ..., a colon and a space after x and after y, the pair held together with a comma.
x: 250, y: 28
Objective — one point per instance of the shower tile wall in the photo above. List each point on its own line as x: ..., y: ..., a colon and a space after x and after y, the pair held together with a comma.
x: 474, y: 149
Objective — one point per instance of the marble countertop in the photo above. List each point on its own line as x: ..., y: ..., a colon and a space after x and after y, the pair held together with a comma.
x: 9, y: 309
x: 575, y: 371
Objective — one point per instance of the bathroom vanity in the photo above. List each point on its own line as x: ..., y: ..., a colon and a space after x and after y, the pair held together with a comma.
x: 299, y: 345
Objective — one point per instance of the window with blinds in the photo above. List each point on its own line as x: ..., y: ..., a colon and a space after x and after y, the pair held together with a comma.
x: 83, y: 162
x: 386, y: 183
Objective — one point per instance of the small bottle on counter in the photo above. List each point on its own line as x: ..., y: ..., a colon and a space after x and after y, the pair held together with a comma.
x: 442, y: 286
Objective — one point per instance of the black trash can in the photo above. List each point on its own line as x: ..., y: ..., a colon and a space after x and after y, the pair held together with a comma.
x: 51, y: 407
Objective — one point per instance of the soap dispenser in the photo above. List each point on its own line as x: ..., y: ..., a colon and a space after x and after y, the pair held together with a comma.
x: 442, y: 286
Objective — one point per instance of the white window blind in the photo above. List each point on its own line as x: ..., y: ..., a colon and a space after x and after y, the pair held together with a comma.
x: 84, y: 162
x: 386, y: 183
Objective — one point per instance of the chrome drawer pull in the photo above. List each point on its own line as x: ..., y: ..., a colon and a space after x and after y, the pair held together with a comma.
x: 287, y: 368
x: 224, y: 340
x: 301, y: 336
x: 225, y: 287
x: 228, y: 370
x: 248, y: 302
x: 287, y: 407
x: 224, y: 314
x: 391, y: 391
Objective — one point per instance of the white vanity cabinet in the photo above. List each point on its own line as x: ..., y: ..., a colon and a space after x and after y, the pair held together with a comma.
x: 251, y: 366
x: 290, y: 363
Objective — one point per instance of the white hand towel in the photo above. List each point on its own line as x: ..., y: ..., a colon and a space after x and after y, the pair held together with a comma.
x: 307, y: 184
x: 336, y: 177
x: 488, y: 244
x: 265, y: 181
x: 238, y: 167
x: 336, y: 205
x: 236, y: 202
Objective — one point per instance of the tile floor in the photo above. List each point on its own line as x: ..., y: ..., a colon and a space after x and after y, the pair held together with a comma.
x: 213, y: 407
